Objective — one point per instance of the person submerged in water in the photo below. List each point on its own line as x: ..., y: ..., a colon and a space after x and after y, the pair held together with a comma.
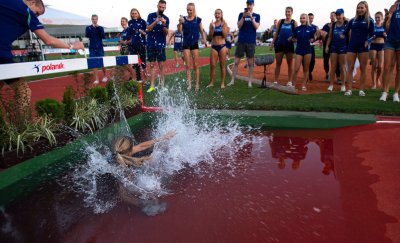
x: 123, y: 149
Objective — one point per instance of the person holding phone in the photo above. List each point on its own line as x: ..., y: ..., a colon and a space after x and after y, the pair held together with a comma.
x: 192, y: 28
x: 157, y: 30
x: 392, y: 51
x: 248, y: 23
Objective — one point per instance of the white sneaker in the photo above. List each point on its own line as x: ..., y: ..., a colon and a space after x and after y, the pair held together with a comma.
x: 330, y: 88
x: 250, y: 85
x: 105, y: 79
x: 384, y: 96
x: 289, y: 84
x: 396, y: 97
x: 96, y: 81
x: 231, y: 83
x: 348, y: 93
x: 343, y: 88
x: 361, y: 93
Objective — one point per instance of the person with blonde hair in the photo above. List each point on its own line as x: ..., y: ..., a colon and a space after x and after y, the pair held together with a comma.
x: 192, y: 28
x: 303, y: 35
x: 123, y: 149
x: 218, y: 31
x: 359, y: 30
x: 138, y: 43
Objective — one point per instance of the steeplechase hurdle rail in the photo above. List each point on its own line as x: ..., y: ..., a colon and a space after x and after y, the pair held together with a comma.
x: 28, y: 69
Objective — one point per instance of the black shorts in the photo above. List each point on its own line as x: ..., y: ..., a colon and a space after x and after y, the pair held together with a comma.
x: 191, y: 47
x: 8, y: 61
x: 285, y: 48
x: 242, y: 48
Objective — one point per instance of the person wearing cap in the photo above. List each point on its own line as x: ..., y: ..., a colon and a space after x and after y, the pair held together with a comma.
x: 17, y: 17
x: 336, y: 46
x: 359, y: 30
x: 248, y: 23
x: 95, y: 33
x: 392, y: 51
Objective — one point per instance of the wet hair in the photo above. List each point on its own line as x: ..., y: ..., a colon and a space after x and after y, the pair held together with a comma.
x: 135, y: 9
x: 121, y: 149
x: 367, y: 14
x: 194, y: 8
x: 307, y: 19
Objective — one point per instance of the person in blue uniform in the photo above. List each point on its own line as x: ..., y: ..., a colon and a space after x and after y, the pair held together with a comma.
x: 17, y: 17
x: 283, y: 46
x: 317, y: 36
x: 304, y: 35
x: 192, y: 29
x: 392, y: 51
x: 218, y: 31
x: 325, y: 35
x: 336, y: 46
x: 230, y: 38
x: 157, y: 30
x: 137, y: 46
x: 248, y: 23
x: 359, y: 30
x: 96, y: 34
x: 178, y: 46
x: 124, y: 41
x: 376, y: 50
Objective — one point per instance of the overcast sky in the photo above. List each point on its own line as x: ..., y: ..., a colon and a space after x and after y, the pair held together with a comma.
x: 110, y: 12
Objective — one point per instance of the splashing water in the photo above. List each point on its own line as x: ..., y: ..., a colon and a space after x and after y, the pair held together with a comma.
x: 199, y: 140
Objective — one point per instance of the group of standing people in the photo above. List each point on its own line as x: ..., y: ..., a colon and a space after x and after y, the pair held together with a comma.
x: 345, y: 42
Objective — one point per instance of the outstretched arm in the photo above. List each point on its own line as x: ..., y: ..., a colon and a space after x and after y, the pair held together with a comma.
x: 54, y: 42
x: 148, y: 144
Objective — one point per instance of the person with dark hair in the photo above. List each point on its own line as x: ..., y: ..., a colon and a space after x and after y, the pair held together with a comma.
x: 95, y: 33
x: 124, y: 41
x: 317, y: 35
x: 376, y: 50
x: 218, y: 32
x: 192, y: 28
x: 178, y: 46
x: 283, y: 46
x: 325, y: 32
x: 304, y: 35
x: 137, y: 46
x: 157, y: 30
x: 359, y: 30
x: 229, y: 40
x: 392, y: 51
x: 248, y: 23
x: 336, y: 46
x: 17, y: 17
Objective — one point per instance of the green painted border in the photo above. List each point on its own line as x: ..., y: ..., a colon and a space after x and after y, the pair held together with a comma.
x: 25, y: 177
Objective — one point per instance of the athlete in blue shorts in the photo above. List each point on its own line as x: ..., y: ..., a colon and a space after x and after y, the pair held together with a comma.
x: 376, y: 50
x: 361, y: 28
x: 248, y: 23
x: 336, y: 46
x: 303, y: 35
x: 17, y: 17
x: 157, y: 30
x: 178, y: 46
x: 392, y: 51
x: 191, y: 27
x: 95, y: 33
x: 285, y: 28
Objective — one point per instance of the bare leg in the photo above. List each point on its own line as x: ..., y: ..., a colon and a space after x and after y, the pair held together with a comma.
x: 278, y: 58
x: 306, y: 69
x: 379, y: 67
x: 222, y: 66
x: 334, y: 61
x: 234, y: 71
x: 162, y: 73
x: 152, y: 74
x: 290, y: 63
x: 397, y: 80
x: 297, y: 64
x: 373, y: 55
x: 250, y: 65
x: 213, y: 62
x: 342, y: 66
x: 363, y: 58
x: 351, y: 59
x: 195, y: 59
x: 22, y: 94
x: 186, y: 55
